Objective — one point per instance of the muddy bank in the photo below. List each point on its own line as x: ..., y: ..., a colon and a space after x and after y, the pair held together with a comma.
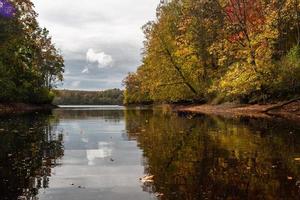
x: 16, y: 108
x: 288, y: 109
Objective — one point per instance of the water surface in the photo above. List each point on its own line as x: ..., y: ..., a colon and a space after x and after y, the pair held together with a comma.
x: 101, y: 153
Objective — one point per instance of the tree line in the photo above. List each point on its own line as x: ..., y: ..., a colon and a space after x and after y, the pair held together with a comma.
x: 30, y: 64
x: 76, y: 97
x: 219, y: 50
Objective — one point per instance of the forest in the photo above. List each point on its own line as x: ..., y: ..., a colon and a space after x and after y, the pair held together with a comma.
x: 76, y: 97
x: 30, y: 65
x: 216, y: 51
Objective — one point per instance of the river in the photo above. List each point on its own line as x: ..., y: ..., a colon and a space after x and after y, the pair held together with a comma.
x: 117, y: 153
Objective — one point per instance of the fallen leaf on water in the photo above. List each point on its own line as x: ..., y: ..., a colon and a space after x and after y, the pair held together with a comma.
x: 157, y: 194
x: 147, y: 179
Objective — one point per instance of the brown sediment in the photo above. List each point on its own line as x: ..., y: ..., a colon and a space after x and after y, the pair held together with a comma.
x: 289, y: 110
x: 16, y: 108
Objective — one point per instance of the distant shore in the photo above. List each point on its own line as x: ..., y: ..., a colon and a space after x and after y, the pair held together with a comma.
x: 16, y: 108
x: 288, y: 109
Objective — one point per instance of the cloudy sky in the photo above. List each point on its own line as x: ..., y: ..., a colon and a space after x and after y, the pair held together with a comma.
x: 101, y: 40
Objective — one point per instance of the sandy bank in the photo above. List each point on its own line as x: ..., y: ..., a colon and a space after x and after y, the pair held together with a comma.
x: 288, y: 109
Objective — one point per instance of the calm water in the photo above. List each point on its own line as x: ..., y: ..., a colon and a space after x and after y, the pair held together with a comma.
x: 101, y: 153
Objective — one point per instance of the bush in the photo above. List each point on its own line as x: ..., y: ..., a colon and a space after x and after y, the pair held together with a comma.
x: 43, y: 96
x: 287, y: 83
x: 8, y: 90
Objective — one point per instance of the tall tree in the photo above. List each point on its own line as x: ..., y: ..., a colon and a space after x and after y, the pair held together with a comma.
x: 28, y: 59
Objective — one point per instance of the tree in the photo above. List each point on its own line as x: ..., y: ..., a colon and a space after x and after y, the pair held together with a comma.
x: 220, y: 50
x: 28, y: 57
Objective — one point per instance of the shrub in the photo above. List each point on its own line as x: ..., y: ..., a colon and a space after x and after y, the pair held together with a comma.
x: 287, y: 83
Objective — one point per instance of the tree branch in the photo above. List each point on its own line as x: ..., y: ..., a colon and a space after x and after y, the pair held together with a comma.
x: 176, y: 67
x: 281, y: 105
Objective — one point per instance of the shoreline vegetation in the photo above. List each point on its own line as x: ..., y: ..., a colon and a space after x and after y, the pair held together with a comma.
x: 213, y: 52
x: 30, y: 64
x: 21, y: 108
x: 77, y: 97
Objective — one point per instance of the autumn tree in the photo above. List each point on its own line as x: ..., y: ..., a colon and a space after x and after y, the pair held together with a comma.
x: 29, y: 62
x: 221, y: 50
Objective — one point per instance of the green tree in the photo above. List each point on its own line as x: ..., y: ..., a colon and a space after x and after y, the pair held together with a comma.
x: 29, y: 60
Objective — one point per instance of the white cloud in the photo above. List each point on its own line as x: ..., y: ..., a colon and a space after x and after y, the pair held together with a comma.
x: 112, y: 25
x: 101, y: 58
x: 85, y: 70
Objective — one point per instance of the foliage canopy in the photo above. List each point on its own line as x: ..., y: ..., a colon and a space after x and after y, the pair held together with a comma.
x: 219, y: 50
x: 30, y: 65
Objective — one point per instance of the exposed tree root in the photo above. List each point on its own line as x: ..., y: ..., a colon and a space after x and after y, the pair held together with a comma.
x: 278, y: 106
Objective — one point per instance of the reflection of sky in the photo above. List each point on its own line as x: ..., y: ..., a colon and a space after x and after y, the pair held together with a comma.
x: 104, y: 150
x: 98, y: 158
x: 87, y: 133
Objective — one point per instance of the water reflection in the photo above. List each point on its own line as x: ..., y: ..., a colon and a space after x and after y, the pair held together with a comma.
x: 214, y: 158
x: 29, y: 148
x: 112, y: 115
x: 104, y: 151
x: 77, y: 154
x: 99, y: 161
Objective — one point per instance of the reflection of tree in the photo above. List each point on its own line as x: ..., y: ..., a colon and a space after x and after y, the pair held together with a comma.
x: 29, y: 147
x: 109, y: 115
x: 214, y: 158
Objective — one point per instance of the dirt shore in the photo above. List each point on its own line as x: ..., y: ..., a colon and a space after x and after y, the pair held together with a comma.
x: 16, y: 108
x: 289, y: 109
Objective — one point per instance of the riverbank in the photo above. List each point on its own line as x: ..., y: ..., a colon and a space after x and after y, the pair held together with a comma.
x: 16, y: 108
x: 288, y: 109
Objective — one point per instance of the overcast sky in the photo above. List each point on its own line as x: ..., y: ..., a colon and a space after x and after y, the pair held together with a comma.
x: 101, y: 40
